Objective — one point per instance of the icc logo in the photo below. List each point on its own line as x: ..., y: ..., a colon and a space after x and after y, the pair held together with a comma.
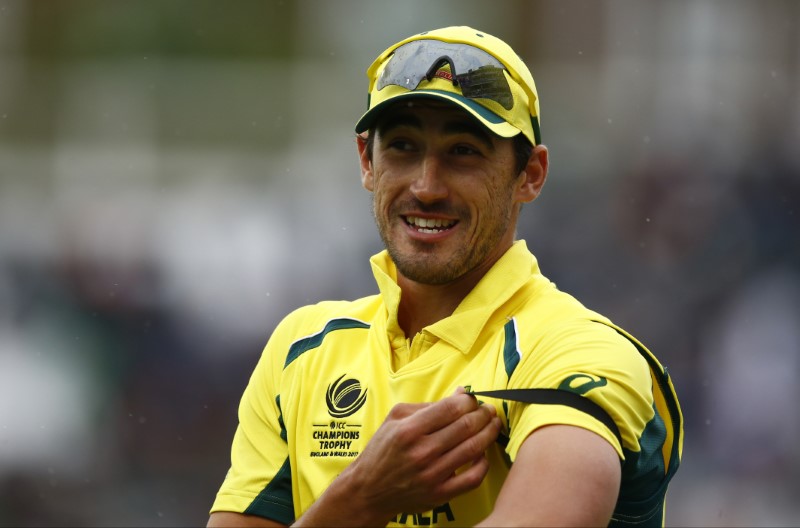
x: 345, y: 397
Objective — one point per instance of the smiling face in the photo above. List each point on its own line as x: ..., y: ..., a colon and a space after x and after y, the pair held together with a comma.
x: 446, y: 194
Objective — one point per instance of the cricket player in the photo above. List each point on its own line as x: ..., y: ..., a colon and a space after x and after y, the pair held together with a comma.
x: 469, y: 391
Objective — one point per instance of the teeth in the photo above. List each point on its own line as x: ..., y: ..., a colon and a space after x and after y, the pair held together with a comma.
x: 429, y: 225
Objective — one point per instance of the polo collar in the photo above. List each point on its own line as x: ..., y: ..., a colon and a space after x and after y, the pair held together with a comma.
x: 462, y: 328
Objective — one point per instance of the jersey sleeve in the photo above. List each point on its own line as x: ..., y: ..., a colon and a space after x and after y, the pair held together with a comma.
x: 591, y: 359
x: 259, y: 479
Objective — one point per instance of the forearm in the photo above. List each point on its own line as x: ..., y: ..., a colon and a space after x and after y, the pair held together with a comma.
x: 411, y: 464
x: 344, y: 491
x: 423, y: 454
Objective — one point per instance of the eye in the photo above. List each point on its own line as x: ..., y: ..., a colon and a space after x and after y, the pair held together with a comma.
x: 465, y: 150
x: 401, y: 144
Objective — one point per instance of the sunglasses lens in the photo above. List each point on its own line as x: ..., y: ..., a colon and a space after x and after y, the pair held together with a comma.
x: 477, y: 73
x: 487, y: 82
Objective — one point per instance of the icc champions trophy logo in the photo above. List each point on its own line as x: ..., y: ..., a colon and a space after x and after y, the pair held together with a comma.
x: 345, y: 397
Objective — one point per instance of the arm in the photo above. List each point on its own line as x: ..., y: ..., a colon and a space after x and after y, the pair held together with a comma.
x: 563, y: 476
x: 421, y: 456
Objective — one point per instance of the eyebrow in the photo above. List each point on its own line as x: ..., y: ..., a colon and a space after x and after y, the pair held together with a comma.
x: 397, y: 120
x: 452, y: 127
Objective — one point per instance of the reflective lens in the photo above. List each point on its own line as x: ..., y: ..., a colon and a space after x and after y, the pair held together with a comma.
x: 478, y: 74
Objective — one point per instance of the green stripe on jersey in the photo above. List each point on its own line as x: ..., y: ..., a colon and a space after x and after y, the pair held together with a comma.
x: 510, y: 352
x: 313, y: 341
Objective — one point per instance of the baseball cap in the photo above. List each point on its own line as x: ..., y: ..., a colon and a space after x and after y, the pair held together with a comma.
x: 470, y: 68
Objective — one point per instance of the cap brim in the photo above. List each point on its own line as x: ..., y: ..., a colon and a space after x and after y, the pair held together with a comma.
x: 486, y: 117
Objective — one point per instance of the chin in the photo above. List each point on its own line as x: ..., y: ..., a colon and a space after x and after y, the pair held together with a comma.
x: 428, y: 271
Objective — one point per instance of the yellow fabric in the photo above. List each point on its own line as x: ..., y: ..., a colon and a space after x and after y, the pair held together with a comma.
x: 555, y: 335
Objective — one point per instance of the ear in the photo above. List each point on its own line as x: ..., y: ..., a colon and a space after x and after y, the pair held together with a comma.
x: 364, y: 159
x: 532, y: 178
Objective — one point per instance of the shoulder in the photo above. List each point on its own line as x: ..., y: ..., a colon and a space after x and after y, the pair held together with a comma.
x: 576, y: 346
x: 563, y: 345
x: 558, y: 337
x: 301, y: 328
x: 310, y: 319
x: 552, y: 325
x: 307, y: 323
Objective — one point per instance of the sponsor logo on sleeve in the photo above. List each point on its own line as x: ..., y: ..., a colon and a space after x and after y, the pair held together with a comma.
x: 582, y: 383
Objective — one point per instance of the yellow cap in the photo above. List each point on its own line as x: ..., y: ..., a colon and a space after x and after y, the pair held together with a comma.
x: 520, y: 117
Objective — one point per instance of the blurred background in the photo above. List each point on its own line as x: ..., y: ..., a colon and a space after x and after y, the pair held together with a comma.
x: 176, y: 176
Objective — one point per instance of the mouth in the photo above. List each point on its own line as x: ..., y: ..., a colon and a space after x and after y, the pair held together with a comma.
x: 429, y: 225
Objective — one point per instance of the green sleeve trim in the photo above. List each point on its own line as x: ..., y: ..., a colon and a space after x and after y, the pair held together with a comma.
x: 646, y: 473
x: 275, y: 500
x: 667, y: 390
x: 282, y: 425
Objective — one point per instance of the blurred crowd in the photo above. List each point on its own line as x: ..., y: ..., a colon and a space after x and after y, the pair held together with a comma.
x: 144, y: 259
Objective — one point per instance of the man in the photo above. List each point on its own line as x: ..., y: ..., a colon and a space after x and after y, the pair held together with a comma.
x: 375, y: 412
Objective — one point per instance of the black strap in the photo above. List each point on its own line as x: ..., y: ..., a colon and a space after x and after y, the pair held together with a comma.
x: 556, y: 397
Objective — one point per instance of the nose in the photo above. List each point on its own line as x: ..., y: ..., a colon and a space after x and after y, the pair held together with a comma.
x: 430, y: 186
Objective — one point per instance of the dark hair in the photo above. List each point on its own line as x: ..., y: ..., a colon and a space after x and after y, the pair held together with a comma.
x: 521, y: 145
x: 522, y: 151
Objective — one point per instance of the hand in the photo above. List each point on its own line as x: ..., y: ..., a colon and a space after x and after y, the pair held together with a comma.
x: 422, y: 456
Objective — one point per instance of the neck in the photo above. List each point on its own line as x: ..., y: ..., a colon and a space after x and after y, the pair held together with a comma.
x: 422, y: 305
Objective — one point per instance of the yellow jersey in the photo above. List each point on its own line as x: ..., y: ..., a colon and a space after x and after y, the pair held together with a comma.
x: 331, y: 372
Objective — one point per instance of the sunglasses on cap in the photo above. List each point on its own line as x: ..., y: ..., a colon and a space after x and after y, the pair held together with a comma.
x: 475, y: 72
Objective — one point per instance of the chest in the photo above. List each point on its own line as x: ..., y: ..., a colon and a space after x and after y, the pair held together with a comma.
x: 337, y: 395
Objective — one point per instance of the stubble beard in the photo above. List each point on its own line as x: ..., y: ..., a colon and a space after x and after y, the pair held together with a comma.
x: 427, y: 263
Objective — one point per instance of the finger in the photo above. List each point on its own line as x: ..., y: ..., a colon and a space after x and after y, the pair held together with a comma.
x: 464, y: 427
x: 462, y: 481
x: 469, y: 449
x: 404, y: 410
x: 444, y: 412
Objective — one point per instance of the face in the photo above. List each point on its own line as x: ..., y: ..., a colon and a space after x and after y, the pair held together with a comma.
x: 445, y: 193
